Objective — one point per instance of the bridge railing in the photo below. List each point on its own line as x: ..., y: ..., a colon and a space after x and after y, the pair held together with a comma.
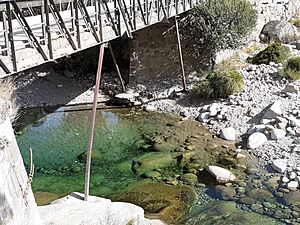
x: 36, y: 31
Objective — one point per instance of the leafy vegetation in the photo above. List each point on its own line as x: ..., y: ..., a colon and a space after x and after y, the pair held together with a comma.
x: 292, y: 68
x: 275, y: 52
x: 220, y: 84
x: 215, y: 25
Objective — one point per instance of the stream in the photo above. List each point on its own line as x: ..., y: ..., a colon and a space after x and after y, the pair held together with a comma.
x: 151, y: 160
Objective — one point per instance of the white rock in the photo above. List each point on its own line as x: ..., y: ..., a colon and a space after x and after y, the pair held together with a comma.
x: 223, y: 110
x: 277, y: 134
x: 279, y: 165
x: 293, y: 185
x: 72, y: 210
x: 274, y: 111
x: 240, y: 156
x: 150, y: 108
x: 285, y: 179
x: 291, y: 131
x: 256, y: 139
x: 281, y: 122
x: 294, y: 121
x: 256, y: 128
x: 204, y: 117
x: 293, y: 175
x: 213, y: 109
x: 292, y: 88
x: 222, y: 175
x: 228, y: 133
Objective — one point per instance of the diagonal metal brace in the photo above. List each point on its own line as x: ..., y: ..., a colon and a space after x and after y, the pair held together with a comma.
x: 2, y: 65
x: 109, y: 17
x: 25, y: 26
x: 61, y: 24
x: 87, y: 19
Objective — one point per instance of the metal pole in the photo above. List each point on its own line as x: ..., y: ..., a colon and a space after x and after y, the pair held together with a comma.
x: 11, y: 37
x: 180, y: 55
x: 92, y: 128
x: 116, y: 65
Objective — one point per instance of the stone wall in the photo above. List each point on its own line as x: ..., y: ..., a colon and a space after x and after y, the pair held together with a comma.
x: 268, y: 10
x: 15, y: 208
x: 155, y: 53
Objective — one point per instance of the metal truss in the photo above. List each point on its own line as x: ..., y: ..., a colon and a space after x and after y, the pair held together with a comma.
x: 95, y: 17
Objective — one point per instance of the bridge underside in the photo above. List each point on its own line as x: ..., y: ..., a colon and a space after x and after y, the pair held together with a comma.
x: 35, y: 32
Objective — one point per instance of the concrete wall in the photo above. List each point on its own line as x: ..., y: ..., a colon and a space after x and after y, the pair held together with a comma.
x: 14, y: 210
x: 155, y: 53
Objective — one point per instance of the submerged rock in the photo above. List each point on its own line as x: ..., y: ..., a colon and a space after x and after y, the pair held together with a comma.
x: 292, y: 198
x: 222, y: 212
x: 189, y: 178
x: 166, y: 202
x: 222, y: 175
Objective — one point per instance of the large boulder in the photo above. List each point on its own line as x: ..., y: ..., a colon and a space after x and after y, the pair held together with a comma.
x: 72, y: 210
x: 280, y: 31
x: 279, y: 165
x: 293, y: 88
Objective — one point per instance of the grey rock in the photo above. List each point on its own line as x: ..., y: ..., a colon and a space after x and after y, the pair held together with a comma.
x: 273, y: 111
x: 292, y: 88
x: 281, y: 31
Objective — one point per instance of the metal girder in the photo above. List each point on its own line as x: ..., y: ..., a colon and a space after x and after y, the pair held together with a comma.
x: 27, y: 30
x: 61, y: 24
x: 2, y: 65
x: 87, y: 19
x: 109, y: 17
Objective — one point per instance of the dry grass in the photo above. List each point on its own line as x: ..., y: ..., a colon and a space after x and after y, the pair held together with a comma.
x: 232, y: 63
x: 253, y: 48
x: 296, y: 20
x: 7, y: 88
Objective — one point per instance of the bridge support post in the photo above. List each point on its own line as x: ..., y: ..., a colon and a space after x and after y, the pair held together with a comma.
x: 92, y: 128
x: 117, y: 67
x: 180, y: 55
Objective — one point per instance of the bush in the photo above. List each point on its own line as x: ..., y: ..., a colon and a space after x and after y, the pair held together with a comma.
x: 292, y: 68
x: 219, y: 84
x: 214, y: 25
x: 275, y: 52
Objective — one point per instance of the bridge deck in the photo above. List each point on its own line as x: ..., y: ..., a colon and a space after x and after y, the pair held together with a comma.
x: 54, y: 29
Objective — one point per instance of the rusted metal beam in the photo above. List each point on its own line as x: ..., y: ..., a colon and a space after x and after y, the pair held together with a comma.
x: 92, y: 127
x: 116, y: 65
x: 180, y: 56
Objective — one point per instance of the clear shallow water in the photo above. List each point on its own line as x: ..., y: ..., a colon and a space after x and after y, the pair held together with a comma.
x: 57, y: 139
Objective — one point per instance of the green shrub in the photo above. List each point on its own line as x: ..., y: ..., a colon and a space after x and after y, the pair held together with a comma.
x: 220, y: 84
x: 275, y: 52
x: 292, y: 68
x: 214, y: 25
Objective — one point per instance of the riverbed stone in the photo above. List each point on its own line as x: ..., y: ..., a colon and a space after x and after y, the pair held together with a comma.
x: 223, y: 192
x: 150, y: 108
x: 221, y: 175
x: 260, y: 195
x: 153, y: 175
x: 292, y: 198
x: 228, y: 133
x: 279, y: 165
x: 256, y: 139
x: 189, y: 178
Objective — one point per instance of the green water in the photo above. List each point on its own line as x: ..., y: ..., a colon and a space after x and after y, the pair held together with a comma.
x: 58, y: 138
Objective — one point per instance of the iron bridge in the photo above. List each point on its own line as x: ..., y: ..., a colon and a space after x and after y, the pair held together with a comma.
x: 38, y: 31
